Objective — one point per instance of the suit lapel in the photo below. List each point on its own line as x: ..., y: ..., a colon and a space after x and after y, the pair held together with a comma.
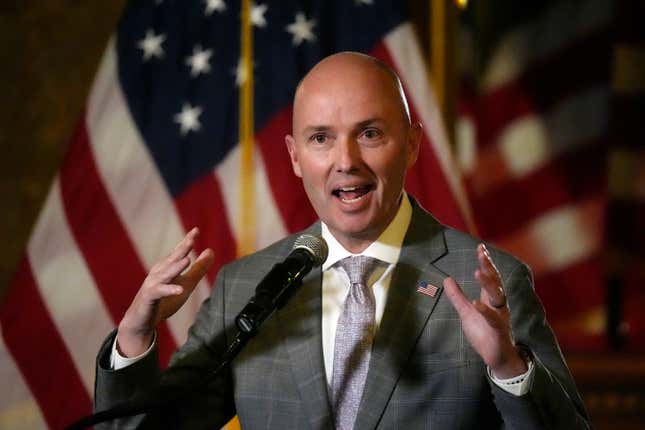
x: 405, y: 316
x: 301, y: 324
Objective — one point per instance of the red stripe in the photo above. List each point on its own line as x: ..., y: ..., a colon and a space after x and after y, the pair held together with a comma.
x: 40, y: 353
x: 575, y: 289
x: 571, y: 177
x: 202, y: 205
x: 427, y: 181
x: 287, y: 189
x: 583, y: 64
x: 101, y: 236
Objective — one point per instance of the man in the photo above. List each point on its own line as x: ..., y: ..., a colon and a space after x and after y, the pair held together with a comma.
x: 386, y: 349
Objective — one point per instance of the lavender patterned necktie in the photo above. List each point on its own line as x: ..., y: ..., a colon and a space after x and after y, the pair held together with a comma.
x: 353, y: 343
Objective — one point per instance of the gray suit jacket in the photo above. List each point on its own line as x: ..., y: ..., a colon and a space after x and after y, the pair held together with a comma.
x: 422, y: 374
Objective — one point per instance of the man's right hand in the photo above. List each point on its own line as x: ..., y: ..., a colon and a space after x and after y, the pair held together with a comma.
x: 162, y: 293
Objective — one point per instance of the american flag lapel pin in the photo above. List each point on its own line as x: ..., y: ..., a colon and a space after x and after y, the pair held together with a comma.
x: 424, y: 287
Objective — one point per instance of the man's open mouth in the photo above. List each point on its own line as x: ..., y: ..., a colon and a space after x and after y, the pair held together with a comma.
x: 353, y: 193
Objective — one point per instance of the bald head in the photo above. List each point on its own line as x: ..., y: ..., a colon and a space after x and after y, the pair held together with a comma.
x: 354, y: 68
x: 352, y: 145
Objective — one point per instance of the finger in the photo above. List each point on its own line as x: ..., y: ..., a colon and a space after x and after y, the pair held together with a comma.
x: 197, y: 270
x: 489, y: 278
x: 490, y: 315
x: 185, y: 245
x: 486, y: 264
x: 171, y: 270
x: 188, y: 281
x: 457, y: 297
x: 161, y: 291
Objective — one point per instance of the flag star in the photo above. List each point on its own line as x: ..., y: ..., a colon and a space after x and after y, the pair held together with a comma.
x: 188, y: 118
x: 362, y: 2
x: 257, y: 14
x: 151, y: 45
x: 241, y: 73
x: 301, y: 29
x: 198, y: 62
x: 214, y: 5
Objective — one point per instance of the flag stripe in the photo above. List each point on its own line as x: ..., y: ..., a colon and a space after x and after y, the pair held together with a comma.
x: 33, y: 341
x: 63, y: 279
x: 585, y: 287
x: 563, y: 22
x: 561, y: 237
x: 287, y: 190
x: 18, y: 408
x: 503, y: 210
x: 542, y: 86
x: 435, y: 178
x: 202, y: 204
x: 269, y: 226
x: 147, y: 211
x: 93, y: 220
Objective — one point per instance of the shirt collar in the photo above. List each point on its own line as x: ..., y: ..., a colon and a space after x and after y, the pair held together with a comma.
x: 386, y: 248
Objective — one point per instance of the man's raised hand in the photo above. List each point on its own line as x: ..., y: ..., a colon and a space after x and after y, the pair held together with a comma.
x: 486, y: 321
x: 165, y: 289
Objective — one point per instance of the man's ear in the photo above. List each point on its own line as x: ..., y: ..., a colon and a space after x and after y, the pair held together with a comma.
x: 414, y: 142
x: 291, y: 147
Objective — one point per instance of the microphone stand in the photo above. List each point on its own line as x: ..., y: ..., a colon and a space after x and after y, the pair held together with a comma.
x: 247, y: 323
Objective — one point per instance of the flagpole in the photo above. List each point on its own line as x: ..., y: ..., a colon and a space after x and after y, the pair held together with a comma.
x: 442, y: 34
x: 246, y: 223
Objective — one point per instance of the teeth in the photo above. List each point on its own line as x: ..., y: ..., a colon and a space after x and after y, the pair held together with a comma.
x: 349, y: 188
x: 353, y: 200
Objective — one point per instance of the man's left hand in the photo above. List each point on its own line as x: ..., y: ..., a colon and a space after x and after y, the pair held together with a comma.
x: 486, y: 321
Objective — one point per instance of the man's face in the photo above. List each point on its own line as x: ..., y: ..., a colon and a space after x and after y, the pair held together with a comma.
x: 352, y: 145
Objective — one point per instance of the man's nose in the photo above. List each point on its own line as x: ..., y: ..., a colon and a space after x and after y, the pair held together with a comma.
x: 348, y: 155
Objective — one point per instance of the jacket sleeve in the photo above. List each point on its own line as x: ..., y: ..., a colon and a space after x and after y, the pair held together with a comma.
x: 198, y: 405
x: 552, y: 401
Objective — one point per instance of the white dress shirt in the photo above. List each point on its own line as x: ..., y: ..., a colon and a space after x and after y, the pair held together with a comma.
x: 335, y: 286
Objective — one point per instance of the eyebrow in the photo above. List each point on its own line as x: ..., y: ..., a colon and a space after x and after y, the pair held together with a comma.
x: 369, y: 121
x: 318, y: 128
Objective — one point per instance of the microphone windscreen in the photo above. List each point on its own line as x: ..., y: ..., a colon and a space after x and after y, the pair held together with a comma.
x: 315, y: 245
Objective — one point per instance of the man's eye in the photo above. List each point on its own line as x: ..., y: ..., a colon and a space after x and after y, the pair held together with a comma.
x: 318, y: 138
x: 371, y: 134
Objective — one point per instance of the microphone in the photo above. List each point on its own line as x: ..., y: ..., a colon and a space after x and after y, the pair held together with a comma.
x: 282, y: 281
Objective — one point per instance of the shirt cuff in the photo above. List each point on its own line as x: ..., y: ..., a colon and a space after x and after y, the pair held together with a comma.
x: 518, y: 385
x: 117, y: 361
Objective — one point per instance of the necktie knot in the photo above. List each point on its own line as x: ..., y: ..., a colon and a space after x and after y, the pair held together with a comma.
x: 359, y: 268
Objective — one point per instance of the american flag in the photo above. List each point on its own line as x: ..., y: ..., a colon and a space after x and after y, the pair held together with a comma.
x: 533, y: 141
x: 157, y: 153
x: 427, y: 288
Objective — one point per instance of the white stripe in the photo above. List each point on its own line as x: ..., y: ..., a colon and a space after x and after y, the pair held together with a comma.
x: 269, y: 225
x: 563, y: 23
x: 532, y: 141
x: 559, y: 238
x: 67, y: 287
x: 466, y: 144
x: 134, y: 183
x: 406, y: 54
x: 18, y: 408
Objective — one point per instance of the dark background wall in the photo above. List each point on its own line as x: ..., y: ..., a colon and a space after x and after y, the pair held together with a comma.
x: 49, y: 52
